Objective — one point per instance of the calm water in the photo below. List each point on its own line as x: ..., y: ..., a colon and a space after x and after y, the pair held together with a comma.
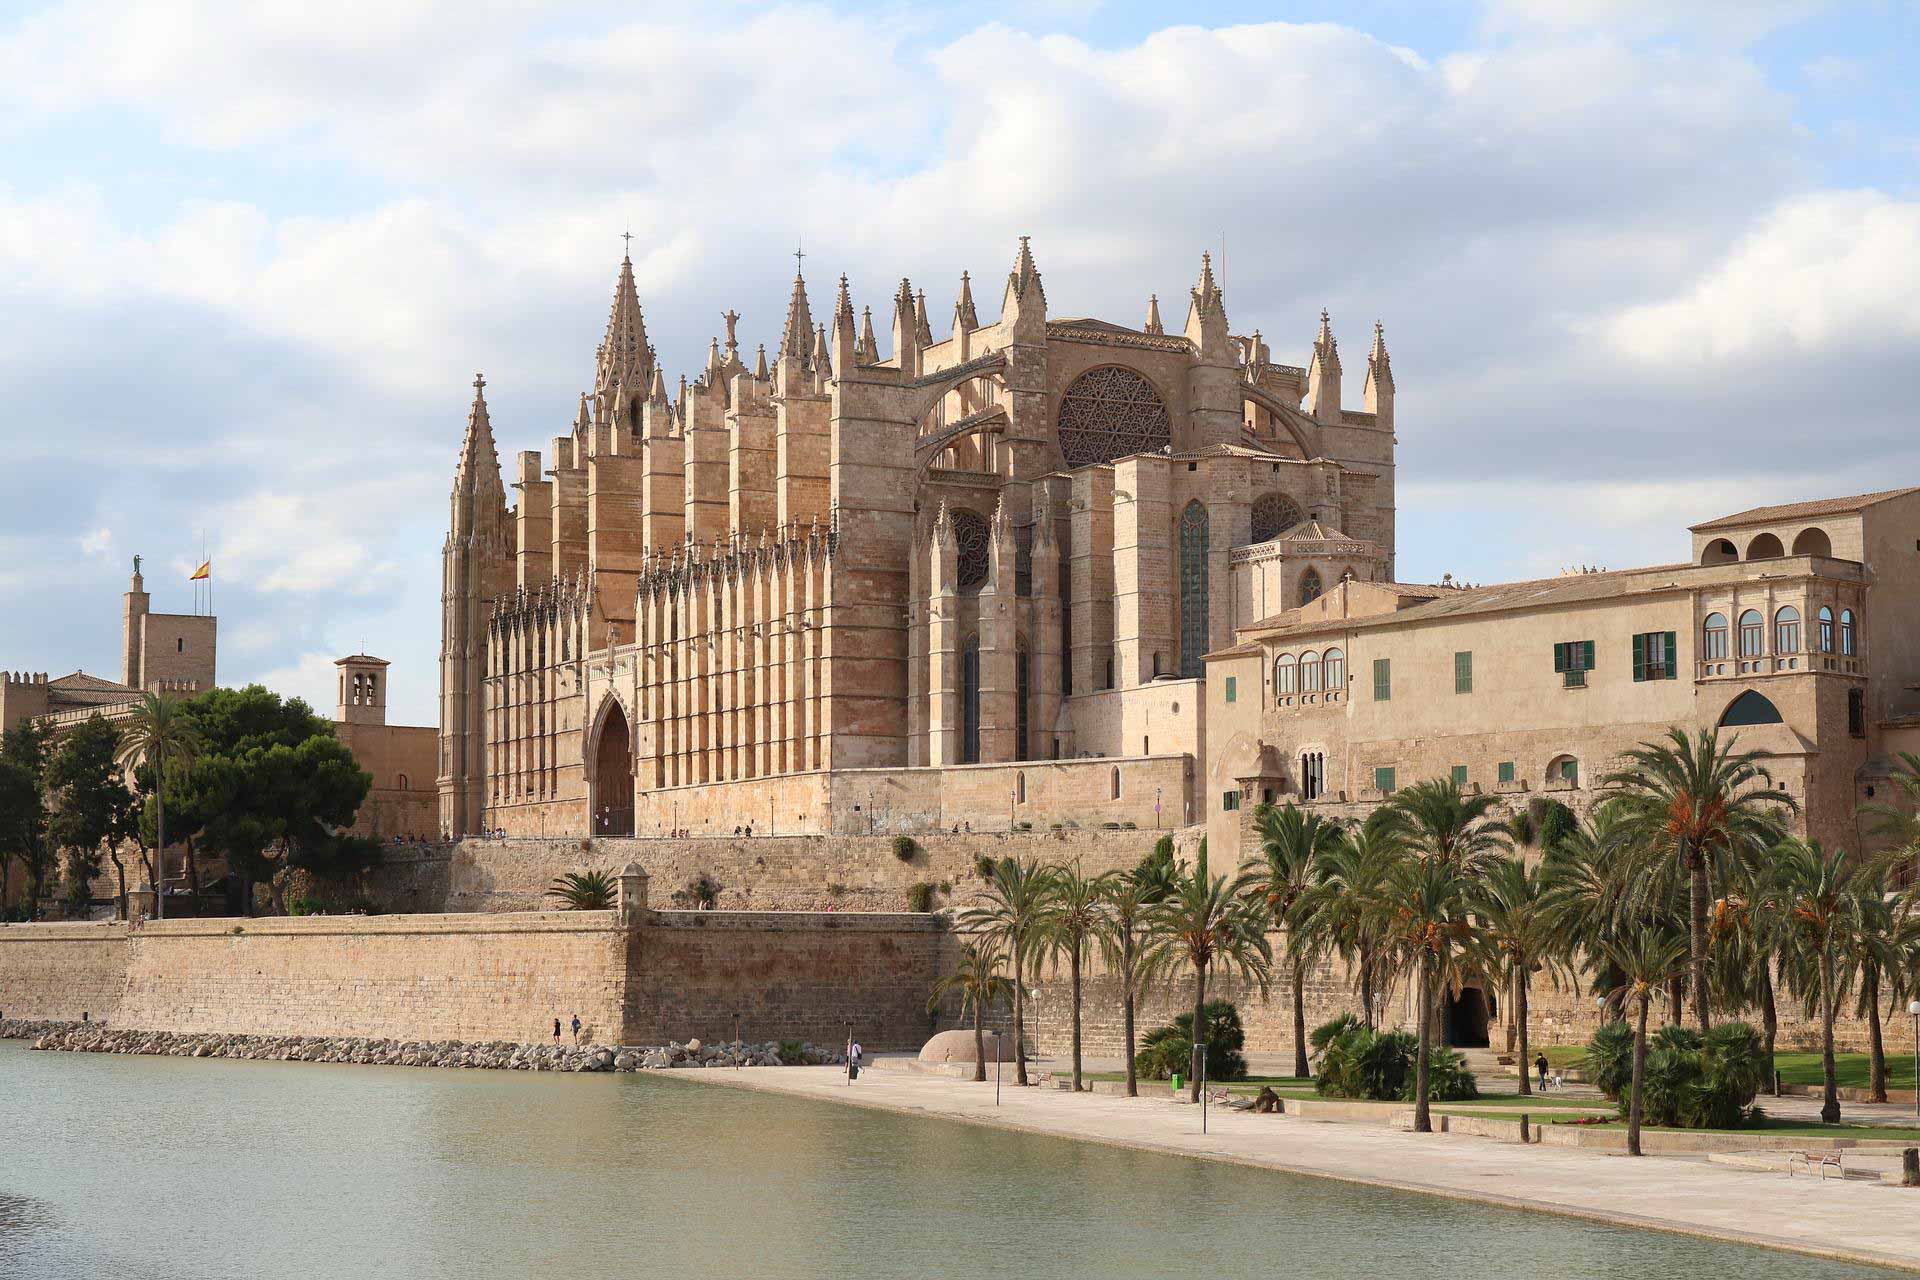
x: 298, y: 1170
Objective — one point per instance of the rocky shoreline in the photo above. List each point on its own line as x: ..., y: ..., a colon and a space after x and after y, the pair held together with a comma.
x: 491, y: 1055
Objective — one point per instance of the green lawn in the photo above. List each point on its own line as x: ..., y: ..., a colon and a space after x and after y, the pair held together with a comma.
x: 1776, y: 1128
x: 1850, y: 1069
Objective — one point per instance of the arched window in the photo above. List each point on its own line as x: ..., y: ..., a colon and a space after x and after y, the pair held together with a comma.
x: 970, y: 701
x: 1846, y: 633
x: 1273, y: 515
x: 1826, y: 629
x: 1719, y: 551
x: 1765, y: 547
x: 1196, y: 534
x: 1283, y: 675
x: 1113, y: 780
x: 1786, y: 629
x: 1564, y: 769
x: 1020, y: 787
x: 1310, y: 587
x: 1713, y: 637
x: 1110, y: 413
x: 1333, y: 670
x: 1812, y: 542
x: 1309, y: 672
x: 1022, y: 688
x: 403, y: 782
x: 1750, y: 708
x: 1753, y: 634
x: 970, y: 538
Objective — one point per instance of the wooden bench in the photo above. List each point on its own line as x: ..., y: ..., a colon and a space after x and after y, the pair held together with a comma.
x: 1820, y: 1160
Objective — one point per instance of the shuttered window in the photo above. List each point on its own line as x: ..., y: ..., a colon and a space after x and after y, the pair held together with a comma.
x: 1506, y: 771
x: 1463, y: 671
x: 1459, y: 775
x: 1654, y: 656
x: 1383, y: 780
x: 1382, y: 679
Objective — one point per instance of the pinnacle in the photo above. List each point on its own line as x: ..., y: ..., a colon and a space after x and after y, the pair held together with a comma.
x: 799, y: 326
x: 869, y: 347
x: 963, y: 313
x: 921, y: 329
x: 1024, y: 273
x: 1153, y: 324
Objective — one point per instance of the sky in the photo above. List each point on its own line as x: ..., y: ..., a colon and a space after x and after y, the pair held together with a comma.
x: 1639, y: 264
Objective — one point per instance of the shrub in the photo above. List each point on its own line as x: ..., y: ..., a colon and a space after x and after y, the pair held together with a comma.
x: 903, y: 848
x: 1359, y: 1062
x: 793, y: 1053
x: 1023, y: 826
x: 702, y: 893
x: 1170, y: 1048
x: 1553, y: 821
x: 983, y: 867
x: 1448, y: 1079
x: 920, y: 897
x: 303, y: 907
x: 1692, y: 1081
x: 1129, y: 826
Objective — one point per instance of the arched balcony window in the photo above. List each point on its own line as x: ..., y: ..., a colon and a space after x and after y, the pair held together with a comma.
x: 1846, y: 633
x: 1826, y: 629
x: 1713, y: 637
x: 1284, y: 673
x: 1333, y: 669
x: 1309, y: 672
x: 1786, y: 630
x: 1753, y: 634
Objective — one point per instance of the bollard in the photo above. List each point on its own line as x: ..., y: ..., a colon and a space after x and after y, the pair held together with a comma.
x: 1910, y: 1167
x: 1523, y: 1129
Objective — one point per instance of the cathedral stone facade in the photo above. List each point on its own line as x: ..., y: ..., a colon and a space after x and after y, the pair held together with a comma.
x: 969, y: 582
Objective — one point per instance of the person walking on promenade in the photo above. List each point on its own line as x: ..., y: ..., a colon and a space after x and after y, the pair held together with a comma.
x: 1540, y: 1065
x: 576, y: 1029
x: 556, y: 1031
x: 854, y: 1055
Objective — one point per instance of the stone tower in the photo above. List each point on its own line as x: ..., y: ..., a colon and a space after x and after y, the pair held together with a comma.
x: 363, y: 690
x: 476, y: 569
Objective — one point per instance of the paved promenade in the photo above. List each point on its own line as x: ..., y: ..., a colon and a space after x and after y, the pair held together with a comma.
x: 1856, y: 1221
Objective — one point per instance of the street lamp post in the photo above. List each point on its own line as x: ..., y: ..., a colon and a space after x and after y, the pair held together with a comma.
x: 1913, y: 1007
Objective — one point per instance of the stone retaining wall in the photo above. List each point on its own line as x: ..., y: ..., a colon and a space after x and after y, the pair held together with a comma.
x: 58, y: 972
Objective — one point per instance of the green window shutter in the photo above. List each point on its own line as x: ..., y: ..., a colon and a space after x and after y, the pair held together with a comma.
x: 1382, y: 679
x: 1559, y: 658
x: 1506, y: 771
x: 1586, y: 655
x: 1230, y: 688
x: 1673, y: 655
x: 1639, y: 658
x: 1463, y: 671
x: 1459, y: 775
x: 1383, y: 779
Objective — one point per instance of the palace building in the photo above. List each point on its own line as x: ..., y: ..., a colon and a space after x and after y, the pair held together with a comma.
x: 971, y: 580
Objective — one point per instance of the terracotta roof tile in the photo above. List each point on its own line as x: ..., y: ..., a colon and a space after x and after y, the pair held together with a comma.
x: 1803, y: 510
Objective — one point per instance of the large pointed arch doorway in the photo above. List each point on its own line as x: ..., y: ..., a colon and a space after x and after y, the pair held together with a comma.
x: 612, y: 799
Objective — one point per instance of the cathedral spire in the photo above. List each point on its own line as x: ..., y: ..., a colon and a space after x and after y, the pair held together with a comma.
x: 964, y: 315
x: 1153, y: 324
x: 1377, y: 398
x: 624, y: 353
x: 798, y: 333
x: 868, y: 348
x: 477, y: 450
x: 1025, y: 275
x: 1323, y: 374
x: 846, y: 346
x: 1206, y: 294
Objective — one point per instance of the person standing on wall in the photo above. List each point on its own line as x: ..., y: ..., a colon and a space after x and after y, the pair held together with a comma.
x: 576, y: 1029
x: 556, y: 1031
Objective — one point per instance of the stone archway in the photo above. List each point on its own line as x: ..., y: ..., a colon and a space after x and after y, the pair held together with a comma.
x: 611, y: 804
x: 1464, y: 1018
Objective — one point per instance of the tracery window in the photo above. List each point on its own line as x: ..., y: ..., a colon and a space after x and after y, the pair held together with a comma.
x: 1310, y: 588
x: 1109, y: 413
x: 1195, y: 533
x: 970, y: 536
x: 1273, y: 515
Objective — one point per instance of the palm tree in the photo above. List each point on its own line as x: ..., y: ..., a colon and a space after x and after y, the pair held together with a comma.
x: 1691, y: 802
x: 1208, y: 926
x: 1294, y: 847
x: 158, y: 733
x: 1456, y: 840
x: 1008, y: 916
x: 1517, y: 933
x: 1900, y: 827
x: 1122, y: 934
x: 1816, y: 896
x: 978, y: 979
x: 585, y: 891
x: 1645, y: 959
x: 1069, y: 924
x: 1353, y: 875
x: 1874, y: 952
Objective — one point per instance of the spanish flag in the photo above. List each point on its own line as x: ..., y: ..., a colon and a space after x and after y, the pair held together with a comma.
x: 204, y: 571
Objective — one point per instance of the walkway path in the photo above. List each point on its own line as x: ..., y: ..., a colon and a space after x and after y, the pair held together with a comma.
x: 1855, y: 1221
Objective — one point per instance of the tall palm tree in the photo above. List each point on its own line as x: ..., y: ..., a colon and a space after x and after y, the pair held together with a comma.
x: 1353, y: 875
x: 1816, y: 896
x: 1122, y: 934
x: 156, y: 734
x: 1517, y: 933
x: 1294, y: 847
x: 1209, y: 926
x: 1069, y: 925
x: 977, y: 977
x: 1645, y: 959
x: 1590, y: 887
x: 1899, y: 827
x: 1876, y: 955
x: 1455, y: 839
x: 1008, y: 915
x: 1692, y: 802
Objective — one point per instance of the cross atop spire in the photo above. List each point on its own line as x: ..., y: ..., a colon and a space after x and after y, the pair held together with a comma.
x: 797, y: 335
x: 627, y: 237
x: 479, y: 386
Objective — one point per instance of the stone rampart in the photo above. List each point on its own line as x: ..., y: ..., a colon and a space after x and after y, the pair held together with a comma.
x: 777, y: 873
x: 61, y: 971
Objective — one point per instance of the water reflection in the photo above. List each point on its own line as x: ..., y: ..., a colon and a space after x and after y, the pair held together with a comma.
x: 293, y: 1169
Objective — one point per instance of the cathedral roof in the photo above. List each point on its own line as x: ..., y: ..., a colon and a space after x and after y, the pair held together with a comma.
x: 1803, y: 510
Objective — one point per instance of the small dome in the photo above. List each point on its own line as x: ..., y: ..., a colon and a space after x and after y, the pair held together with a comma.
x: 957, y: 1046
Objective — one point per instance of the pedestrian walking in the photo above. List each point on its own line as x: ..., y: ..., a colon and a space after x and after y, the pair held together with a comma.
x: 576, y: 1028
x: 556, y: 1031
x: 854, y: 1054
x: 1540, y: 1065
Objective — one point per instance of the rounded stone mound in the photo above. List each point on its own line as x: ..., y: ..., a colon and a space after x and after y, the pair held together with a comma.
x: 957, y: 1046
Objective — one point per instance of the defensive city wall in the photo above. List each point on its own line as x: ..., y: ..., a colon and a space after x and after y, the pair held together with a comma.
x: 633, y: 976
